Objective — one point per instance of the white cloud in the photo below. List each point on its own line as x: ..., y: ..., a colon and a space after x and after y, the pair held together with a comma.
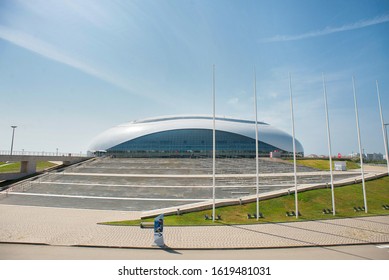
x: 44, y: 49
x: 329, y: 30
x: 94, y: 12
x: 49, y: 51
x: 233, y: 101
x: 273, y: 95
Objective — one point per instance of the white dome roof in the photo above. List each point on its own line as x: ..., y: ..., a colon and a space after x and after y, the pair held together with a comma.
x: 135, y: 129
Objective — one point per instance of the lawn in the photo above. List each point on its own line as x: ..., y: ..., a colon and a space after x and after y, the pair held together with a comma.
x: 323, y: 164
x: 10, y: 168
x: 14, y: 167
x: 42, y: 165
x: 310, y: 203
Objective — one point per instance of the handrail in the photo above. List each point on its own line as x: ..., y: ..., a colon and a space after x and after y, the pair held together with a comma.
x: 43, y: 153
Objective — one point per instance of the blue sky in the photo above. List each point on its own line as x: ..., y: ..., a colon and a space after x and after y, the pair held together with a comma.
x: 71, y: 69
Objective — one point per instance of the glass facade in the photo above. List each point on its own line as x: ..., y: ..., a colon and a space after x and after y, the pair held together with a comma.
x: 190, y: 143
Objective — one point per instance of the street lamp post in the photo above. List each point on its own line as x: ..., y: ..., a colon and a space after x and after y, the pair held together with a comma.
x: 13, y: 135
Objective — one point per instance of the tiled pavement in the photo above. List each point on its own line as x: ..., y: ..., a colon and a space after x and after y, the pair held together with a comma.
x: 59, y: 226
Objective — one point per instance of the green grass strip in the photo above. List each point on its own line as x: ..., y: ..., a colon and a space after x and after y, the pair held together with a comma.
x: 323, y: 164
x: 14, y: 167
x: 311, y: 204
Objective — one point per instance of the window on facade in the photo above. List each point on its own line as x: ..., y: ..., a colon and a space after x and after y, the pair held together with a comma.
x: 174, y: 142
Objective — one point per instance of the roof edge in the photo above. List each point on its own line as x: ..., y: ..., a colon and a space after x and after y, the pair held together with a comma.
x: 200, y: 117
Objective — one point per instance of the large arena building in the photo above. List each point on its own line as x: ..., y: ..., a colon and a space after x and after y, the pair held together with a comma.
x: 192, y: 136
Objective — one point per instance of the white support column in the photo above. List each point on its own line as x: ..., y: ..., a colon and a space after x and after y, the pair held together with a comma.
x: 256, y: 141
x: 329, y: 146
x: 294, y: 147
x: 360, y: 146
x: 213, y: 146
x: 383, y: 127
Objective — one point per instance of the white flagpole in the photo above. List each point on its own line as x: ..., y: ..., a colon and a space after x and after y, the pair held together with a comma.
x: 294, y: 146
x: 256, y: 141
x: 383, y: 126
x: 360, y: 146
x: 329, y: 145
x: 213, y: 145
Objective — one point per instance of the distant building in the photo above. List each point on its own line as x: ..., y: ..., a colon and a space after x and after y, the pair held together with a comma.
x: 312, y: 156
x: 356, y: 155
x: 375, y: 156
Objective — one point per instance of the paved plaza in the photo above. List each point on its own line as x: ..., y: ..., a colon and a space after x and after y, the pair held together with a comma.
x: 79, y: 227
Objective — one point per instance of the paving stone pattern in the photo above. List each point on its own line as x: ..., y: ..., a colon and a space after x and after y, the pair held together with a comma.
x: 59, y: 226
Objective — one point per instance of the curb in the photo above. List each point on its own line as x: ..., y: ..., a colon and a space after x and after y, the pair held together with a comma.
x: 168, y: 248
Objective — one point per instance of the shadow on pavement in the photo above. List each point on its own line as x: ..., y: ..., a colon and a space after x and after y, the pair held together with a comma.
x: 170, y: 250
x: 301, y: 240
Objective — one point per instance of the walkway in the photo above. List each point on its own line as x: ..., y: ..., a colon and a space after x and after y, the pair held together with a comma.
x: 43, y: 252
x: 70, y: 227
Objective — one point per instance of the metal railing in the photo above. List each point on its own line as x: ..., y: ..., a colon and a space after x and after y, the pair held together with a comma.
x: 19, y: 187
x: 26, y: 185
x: 43, y: 153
